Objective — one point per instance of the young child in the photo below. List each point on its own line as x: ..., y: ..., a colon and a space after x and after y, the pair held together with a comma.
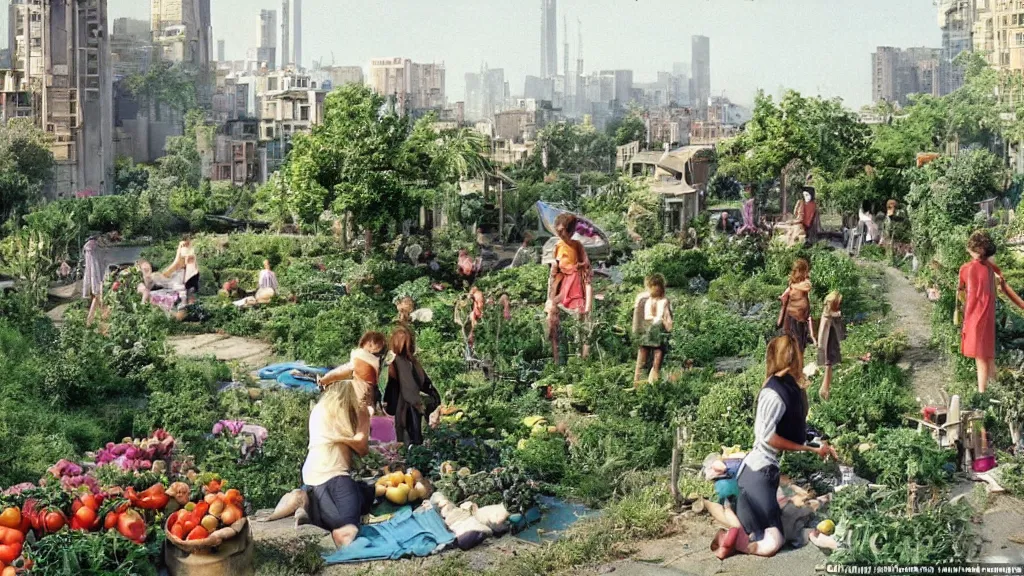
x: 977, y: 289
x: 795, y: 317
x: 652, y: 323
x: 569, y: 283
x: 831, y: 332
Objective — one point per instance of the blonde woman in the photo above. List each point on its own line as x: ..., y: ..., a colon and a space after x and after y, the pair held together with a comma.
x: 831, y: 332
x: 780, y: 425
x: 339, y: 427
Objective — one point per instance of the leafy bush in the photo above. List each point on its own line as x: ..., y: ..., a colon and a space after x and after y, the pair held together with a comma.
x: 902, y: 455
x: 865, y: 397
x: 670, y: 260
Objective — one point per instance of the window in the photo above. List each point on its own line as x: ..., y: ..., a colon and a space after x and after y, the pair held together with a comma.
x: 270, y: 132
x: 304, y: 113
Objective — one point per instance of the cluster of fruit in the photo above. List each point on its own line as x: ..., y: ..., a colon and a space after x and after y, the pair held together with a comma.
x: 201, y: 520
x: 402, y: 489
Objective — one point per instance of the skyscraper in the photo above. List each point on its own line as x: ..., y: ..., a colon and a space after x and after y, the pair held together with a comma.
x: 193, y: 45
x: 955, y: 19
x: 700, y: 55
x: 286, y: 55
x: 297, y: 55
x: 62, y: 49
x: 548, y: 38
x: 266, y: 46
x: 220, y: 51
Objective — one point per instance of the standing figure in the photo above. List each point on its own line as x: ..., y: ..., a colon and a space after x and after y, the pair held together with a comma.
x: 831, y: 332
x: 185, y: 260
x: 809, y: 217
x: 977, y: 289
x: 405, y: 307
x: 795, y: 317
x: 476, y: 297
x: 749, y: 225
x: 467, y: 267
x: 524, y: 255
x: 410, y: 396
x: 569, y: 283
x: 92, y: 281
x: 652, y: 324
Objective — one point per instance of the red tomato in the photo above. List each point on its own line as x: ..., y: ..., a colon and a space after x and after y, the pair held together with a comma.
x: 198, y: 533
x: 90, y: 501
x: 178, y: 532
x: 9, y: 571
x: 86, y: 517
x: 53, y: 520
x: 131, y: 526
x: 110, y: 522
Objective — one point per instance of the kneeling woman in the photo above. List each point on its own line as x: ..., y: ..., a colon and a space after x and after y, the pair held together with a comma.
x: 780, y: 425
x: 339, y: 426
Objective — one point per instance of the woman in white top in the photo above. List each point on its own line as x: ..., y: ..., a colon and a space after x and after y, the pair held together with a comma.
x: 339, y: 426
x: 92, y: 280
x: 652, y: 325
x: 185, y: 260
x: 267, y: 284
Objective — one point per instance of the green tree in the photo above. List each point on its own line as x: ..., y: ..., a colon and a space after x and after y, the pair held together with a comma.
x: 573, y: 148
x: 629, y: 129
x: 164, y: 83
x: 26, y: 166
x: 353, y: 162
x: 181, y: 163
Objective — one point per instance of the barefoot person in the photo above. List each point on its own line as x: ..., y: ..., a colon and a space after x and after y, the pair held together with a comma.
x: 339, y: 427
x: 652, y: 323
x: 780, y: 425
x: 185, y: 260
x: 831, y: 332
x: 976, y: 288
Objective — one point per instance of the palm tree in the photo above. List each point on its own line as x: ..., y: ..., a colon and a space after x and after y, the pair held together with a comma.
x: 460, y: 153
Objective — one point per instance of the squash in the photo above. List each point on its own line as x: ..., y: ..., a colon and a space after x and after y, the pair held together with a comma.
x: 380, y: 490
x: 398, y: 494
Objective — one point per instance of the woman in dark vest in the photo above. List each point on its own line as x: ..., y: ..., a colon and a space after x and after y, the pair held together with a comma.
x: 410, y: 396
x: 780, y: 425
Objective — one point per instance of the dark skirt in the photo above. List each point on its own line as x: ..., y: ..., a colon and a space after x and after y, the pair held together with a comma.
x: 757, y: 506
x: 798, y: 330
x: 341, y: 501
x: 828, y: 352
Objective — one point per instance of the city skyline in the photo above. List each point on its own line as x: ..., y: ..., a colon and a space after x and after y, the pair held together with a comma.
x: 798, y: 44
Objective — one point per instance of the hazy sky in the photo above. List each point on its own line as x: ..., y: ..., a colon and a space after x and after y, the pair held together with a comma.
x: 815, y: 46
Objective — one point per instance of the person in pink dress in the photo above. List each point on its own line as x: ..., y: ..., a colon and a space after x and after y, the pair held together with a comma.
x: 977, y: 290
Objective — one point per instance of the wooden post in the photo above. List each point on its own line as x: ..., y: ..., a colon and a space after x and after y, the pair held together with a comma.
x: 501, y: 210
x: 676, y: 461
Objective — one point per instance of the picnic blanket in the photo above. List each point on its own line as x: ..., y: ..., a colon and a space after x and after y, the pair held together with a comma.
x: 293, y: 375
x: 406, y: 534
x: 167, y: 299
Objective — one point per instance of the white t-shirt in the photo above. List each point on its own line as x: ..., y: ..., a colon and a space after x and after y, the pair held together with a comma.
x: 328, y: 456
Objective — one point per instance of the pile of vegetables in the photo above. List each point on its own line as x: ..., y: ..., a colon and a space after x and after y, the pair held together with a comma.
x: 400, y: 489
x: 202, y: 519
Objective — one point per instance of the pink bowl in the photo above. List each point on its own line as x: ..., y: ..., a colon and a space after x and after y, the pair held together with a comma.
x: 382, y: 429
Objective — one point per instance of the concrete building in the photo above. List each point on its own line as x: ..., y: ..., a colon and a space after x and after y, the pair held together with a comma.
x: 220, y: 51
x: 61, y: 63
x: 679, y: 177
x: 286, y: 55
x: 231, y: 153
x: 621, y: 82
x: 538, y: 88
x: 131, y: 47
x: 548, y: 38
x: 998, y: 32
x: 297, y: 48
x: 409, y: 86
x: 668, y: 126
x: 266, y: 39
x: 182, y: 31
x: 700, y: 76
x: 342, y: 75
x: 956, y: 19
x: 486, y: 93
x: 897, y: 73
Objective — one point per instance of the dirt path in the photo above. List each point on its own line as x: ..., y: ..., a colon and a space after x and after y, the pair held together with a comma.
x: 253, y: 354
x: 912, y: 313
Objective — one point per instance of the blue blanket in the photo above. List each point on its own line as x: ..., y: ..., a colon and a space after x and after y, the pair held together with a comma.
x: 405, y: 534
x: 273, y: 371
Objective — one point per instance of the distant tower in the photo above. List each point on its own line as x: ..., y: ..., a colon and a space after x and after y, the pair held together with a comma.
x: 581, y: 103
x: 220, y: 51
x: 566, y: 84
x: 297, y: 56
x: 286, y: 30
x: 548, y: 38
x: 701, y: 74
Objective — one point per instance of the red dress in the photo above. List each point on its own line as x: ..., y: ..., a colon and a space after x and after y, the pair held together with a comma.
x: 978, y: 335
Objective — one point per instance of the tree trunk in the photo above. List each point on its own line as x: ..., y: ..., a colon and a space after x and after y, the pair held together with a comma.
x: 367, y: 241
x: 782, y: 188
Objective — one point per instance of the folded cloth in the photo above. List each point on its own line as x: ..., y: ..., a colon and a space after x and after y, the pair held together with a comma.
x: 405, y: 534
x: 274, y: 370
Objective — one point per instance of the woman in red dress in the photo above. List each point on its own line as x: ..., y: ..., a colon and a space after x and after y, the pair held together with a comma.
x: 977, y: 289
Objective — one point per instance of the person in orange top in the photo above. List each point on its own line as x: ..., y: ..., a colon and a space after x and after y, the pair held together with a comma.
x: 809, y: 219
x: 977, y: 289
x: 569, y: 284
